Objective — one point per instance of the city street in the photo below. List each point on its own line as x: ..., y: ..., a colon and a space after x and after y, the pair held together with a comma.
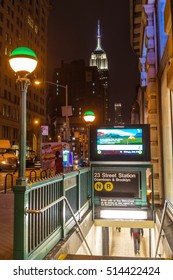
x: 8, y: 178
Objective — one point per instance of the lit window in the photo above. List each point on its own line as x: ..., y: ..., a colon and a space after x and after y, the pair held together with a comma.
x: 36, y: 29
x: 6, y: 51
x: 30, y: 22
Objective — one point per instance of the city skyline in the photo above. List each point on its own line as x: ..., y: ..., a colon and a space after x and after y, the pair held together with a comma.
x: 72, y: 35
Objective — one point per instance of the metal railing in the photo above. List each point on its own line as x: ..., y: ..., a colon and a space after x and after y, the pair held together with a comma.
x: 168, y: 208
x: 62, y: 198
x: 36, y: 234
x: 33, y: 175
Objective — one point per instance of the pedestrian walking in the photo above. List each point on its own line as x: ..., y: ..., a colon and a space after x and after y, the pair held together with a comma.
x: 58, y: 163
x: 136, y: 233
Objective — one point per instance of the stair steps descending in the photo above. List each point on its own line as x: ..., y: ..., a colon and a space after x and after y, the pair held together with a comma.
x: 89, y: 257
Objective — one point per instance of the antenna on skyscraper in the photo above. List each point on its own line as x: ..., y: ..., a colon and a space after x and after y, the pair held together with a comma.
x: 98, y: 37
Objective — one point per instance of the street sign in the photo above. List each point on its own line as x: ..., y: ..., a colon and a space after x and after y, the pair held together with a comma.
x: 116, y: 184
x: 69, y: 111
x: 44, y: 130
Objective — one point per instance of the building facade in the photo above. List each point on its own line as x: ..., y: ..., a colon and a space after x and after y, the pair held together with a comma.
x: 151, y: 39
x: 22, y: 23
x: 165, y: 12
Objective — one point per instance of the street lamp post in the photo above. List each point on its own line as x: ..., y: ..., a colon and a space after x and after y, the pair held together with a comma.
x: 66, y: 103
x: 66, y: 110
x: 38, y: 136
x: 89, y: 117
x: 23, y: 61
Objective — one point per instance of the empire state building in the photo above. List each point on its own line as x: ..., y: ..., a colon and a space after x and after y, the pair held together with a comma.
x: 99, y: 59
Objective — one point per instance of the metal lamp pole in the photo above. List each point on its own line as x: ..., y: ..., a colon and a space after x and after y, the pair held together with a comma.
x: 23, y: 84
x: 23, y: 61
x: 66, y: 103
x: 89, y: 117
x: 66, y: 110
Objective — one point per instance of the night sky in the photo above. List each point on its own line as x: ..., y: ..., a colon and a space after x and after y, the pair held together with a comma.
x: 72, y: 35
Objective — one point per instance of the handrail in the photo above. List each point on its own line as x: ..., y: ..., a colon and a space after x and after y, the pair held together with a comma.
x: 52, y: 204
x: 166, y: 204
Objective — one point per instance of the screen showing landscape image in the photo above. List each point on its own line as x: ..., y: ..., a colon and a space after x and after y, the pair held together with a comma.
x: 119, y: 141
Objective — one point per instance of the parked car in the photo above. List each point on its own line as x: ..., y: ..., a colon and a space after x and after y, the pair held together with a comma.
x: 8, y: 158
x: 8, y: 161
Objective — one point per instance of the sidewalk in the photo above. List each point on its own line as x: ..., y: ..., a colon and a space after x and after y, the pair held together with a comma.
x: 6, y: 225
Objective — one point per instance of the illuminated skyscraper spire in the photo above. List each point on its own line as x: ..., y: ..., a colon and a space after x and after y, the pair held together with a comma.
x: 99, y: 59
x: 98, y: 48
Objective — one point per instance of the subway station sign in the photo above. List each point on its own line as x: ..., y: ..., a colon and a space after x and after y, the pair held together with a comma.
x: 116, y: 184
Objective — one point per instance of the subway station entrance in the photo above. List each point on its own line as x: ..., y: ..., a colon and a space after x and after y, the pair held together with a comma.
x: 121, y: 201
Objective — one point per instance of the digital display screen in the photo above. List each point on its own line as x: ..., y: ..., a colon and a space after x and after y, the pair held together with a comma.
x: 119, y: 141
x: 123, y: 143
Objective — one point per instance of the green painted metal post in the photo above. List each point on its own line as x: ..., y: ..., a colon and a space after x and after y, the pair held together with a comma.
x: 92, y: 193
x: 20, y: 201
x: 20, y: 223
x: 63, y: 212
x: 89, y: 185
x: 152, y: 189
x: 79, y: 192
x: 144, y: 187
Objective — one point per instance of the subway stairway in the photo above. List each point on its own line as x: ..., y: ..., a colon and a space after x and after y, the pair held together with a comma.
x: 112, y: 243
x: 115, y: 245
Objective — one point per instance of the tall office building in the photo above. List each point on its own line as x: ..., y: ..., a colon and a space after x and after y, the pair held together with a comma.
x: 118, y: 114
x: 22, y: 23
x: 99, y: 59
x: 79, y: 88
x: 85, y: 92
